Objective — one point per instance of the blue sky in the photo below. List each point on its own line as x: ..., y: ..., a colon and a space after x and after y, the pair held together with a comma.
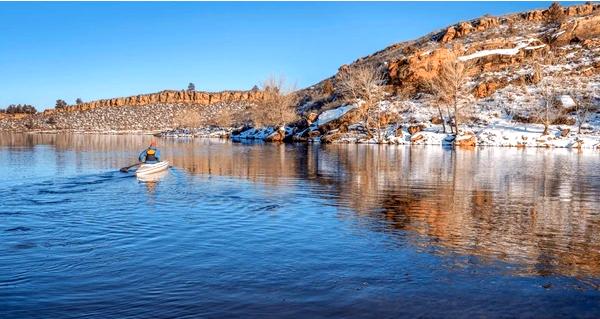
x: 101, y: 50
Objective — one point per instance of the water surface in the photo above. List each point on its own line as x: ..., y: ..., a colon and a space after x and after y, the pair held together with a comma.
x: 266, y: 230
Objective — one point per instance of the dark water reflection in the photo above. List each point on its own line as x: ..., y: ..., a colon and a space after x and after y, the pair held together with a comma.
x: 296, y: 230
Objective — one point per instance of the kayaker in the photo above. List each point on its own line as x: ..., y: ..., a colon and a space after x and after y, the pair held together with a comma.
x: 151, y: 154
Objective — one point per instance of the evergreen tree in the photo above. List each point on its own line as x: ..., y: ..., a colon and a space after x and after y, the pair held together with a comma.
x: 60, y: 104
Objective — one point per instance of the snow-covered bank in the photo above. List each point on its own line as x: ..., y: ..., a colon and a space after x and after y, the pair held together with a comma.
x: 336, y: 126
x: 207, y: 132
x: 492, y: 130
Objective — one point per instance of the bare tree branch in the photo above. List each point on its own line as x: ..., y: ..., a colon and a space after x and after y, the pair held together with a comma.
x: 278, y: 106
x: 365, y: 85
x: 451, y: 89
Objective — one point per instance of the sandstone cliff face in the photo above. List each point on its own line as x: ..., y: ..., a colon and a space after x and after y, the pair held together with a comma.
x: 464, y: 28
x: 165, y: 97
x: 488, y: 34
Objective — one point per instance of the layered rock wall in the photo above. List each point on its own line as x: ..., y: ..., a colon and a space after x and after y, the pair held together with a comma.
x: 167, y: 97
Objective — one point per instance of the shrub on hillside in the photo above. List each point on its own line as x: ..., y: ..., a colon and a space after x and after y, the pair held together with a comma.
x: 20, y: 108
x: 60, y: 104
x: 556, y: 14
x: 327, y: 88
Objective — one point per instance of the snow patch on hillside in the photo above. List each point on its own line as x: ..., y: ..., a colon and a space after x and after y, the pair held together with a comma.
x: 332, y: 115
x: 525, y: 45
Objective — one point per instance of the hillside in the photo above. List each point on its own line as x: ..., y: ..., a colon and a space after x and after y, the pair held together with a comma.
x: 480, y: 40
x: 502, y: 82
x: 508, y: 59
x: 144, y: 113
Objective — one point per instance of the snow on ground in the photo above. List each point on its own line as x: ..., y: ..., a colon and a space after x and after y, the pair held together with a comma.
x: 255, y: 134
x: 333, y: 114
x: 494, y: 125
x: 502, y: 133
x: 567, y: 101
x: 525, y: 45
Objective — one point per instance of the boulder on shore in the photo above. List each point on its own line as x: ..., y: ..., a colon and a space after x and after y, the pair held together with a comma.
x: 467, y: 140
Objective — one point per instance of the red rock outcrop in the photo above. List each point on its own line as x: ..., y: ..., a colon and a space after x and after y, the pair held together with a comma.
x: 580, y: 29
x: 468, y: 140
x: 418, y: 67
x: 535, y: 15
x: 486, y: 23
x: 189, y: 97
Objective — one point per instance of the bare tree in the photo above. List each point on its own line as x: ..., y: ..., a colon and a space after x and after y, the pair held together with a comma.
x: 547, y: 110
x: 451, y: 89
x: 556, y: 14
x: 437, y: 88
x: 364, y: 84
x: 278, y: 106
x: 584, y: 103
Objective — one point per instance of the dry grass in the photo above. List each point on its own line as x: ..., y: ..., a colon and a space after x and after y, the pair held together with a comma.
x: 187, y: 119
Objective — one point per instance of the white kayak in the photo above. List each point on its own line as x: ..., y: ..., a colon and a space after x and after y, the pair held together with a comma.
x: 152, y: 178
x: 146, y: 169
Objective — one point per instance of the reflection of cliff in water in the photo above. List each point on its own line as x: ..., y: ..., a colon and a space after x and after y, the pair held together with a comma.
x: 537, y: 208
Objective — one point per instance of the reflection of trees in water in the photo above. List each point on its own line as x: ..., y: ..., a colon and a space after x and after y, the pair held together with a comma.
x: 534, y: 207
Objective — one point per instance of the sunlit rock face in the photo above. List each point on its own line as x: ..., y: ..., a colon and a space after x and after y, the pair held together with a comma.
x: 419, y: 61
x: 170, y: 97
x: 502, y: 85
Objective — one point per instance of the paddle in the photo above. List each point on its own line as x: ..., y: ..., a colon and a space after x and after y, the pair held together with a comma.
x: 126, y: 169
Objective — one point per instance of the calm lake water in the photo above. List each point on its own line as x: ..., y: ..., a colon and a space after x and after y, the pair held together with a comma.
x: 265, y: 230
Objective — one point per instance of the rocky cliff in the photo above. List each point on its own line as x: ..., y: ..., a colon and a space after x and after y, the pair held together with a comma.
x: 497, y: 47
x: 145, y: 112
x: 168, y: 97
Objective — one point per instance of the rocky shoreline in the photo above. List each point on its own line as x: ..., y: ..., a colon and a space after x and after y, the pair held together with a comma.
x: 431, y: 136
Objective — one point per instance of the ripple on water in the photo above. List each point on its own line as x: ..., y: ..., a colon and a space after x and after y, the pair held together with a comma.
x: 314, y: 231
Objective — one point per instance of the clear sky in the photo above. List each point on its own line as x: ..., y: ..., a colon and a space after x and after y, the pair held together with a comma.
x: 101, y: 50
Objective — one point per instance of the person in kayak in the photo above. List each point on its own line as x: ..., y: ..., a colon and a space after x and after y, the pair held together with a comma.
x: 151, y: 154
